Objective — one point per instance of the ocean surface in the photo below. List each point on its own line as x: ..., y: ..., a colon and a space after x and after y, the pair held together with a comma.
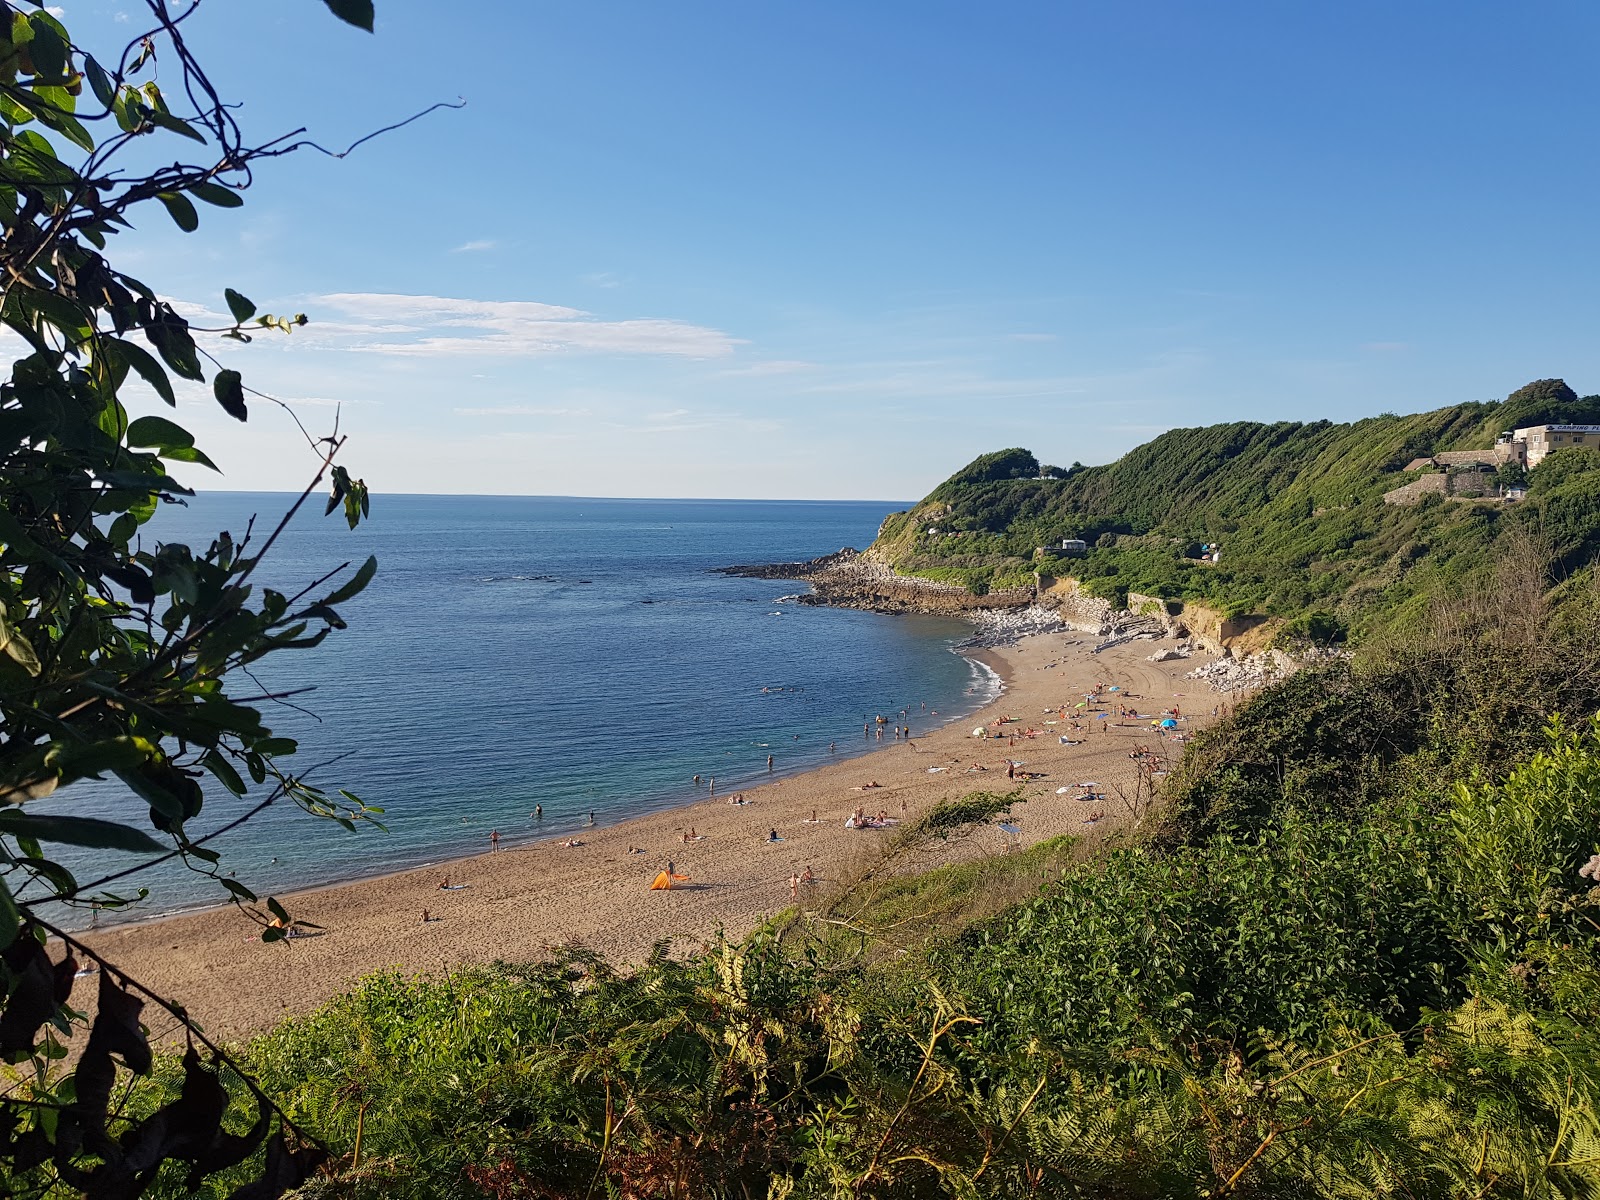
x: 573, y: 653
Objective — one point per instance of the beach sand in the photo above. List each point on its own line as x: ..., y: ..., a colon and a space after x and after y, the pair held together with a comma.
x: 522, y: 900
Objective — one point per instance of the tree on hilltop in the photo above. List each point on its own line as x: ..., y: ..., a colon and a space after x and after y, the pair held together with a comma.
x: 121, y: 657
x: 1547, y: 402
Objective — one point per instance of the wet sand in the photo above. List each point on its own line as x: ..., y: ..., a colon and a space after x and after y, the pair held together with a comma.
x: 522, y: 900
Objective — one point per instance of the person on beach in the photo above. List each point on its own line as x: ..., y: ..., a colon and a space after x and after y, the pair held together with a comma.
x: 772, y: 836
x: 806, y: 877
x: 425, y: 917
x: 494, y: 842
x: 769, y: 762
x: 444, y: 884
x: 794, y: 886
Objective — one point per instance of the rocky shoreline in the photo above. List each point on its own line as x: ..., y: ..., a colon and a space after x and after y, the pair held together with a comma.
x: 847, y: 579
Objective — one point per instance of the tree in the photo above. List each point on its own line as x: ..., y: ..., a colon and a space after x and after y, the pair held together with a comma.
x: 121, y: 658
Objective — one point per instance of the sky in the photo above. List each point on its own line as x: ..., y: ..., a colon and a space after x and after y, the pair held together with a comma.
x: 838, y: 249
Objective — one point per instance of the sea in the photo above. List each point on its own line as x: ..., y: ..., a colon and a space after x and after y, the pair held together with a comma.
x: 578, y: 654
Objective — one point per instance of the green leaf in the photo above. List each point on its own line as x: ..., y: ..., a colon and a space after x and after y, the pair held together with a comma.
x: 353, y: 12
x: 76, y: 760
x: 142, y: 361
x: 48, y: 49
x: 170, y: 336
x: 190, y: 455
x: 357, y: 584
x: 224, y: 772
x: 214, y: 193
x: 167, y: 121
x: 90, y: 832
x: 183, y: 212
x: 240, y: 306
x: 99, y: 82
x: 229, y: 390
x: 10, y: 918
x: 159, y: 432
x: 17, y: 647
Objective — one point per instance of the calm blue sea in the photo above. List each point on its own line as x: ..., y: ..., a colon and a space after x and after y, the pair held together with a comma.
x: 574, y: 653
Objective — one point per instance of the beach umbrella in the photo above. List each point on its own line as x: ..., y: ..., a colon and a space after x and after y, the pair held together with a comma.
x: 1169, y: 723
x: 1080, y: 704
x: 1011, y: 828
x: 1104, y: 717
x: 980, y: 731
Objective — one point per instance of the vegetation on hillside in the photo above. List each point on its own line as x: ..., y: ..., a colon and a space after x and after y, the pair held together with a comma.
x: 124, y: 658
x: 1358, y: 954
x: 1296, y: 507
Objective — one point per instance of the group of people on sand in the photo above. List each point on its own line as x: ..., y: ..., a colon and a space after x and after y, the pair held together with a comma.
x: 860, y: 820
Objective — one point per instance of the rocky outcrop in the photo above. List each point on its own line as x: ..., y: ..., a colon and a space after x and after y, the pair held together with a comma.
x: 791, y: 570
x: 856, y: 583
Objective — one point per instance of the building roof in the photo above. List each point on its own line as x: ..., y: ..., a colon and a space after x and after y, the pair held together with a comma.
x: 1559, y: 429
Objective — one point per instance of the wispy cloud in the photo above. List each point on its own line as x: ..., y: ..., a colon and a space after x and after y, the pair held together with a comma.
x: 602, y: 279
x: 775, y: 367
x: 521, y: 410
x: 474, y: 246
x: 1031, y: 337
x: 438, y: 326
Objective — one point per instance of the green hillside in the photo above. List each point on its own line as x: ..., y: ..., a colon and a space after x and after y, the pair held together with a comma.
x: 1296, y: 507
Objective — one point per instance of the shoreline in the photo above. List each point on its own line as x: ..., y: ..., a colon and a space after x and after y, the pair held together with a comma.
x: 517, y: 903
x: 983, y: 656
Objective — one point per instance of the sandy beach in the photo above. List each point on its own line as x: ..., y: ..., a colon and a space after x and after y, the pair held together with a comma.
x: 519, y: 901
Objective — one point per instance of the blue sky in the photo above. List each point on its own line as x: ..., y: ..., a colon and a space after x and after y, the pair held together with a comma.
x: 838, y: 249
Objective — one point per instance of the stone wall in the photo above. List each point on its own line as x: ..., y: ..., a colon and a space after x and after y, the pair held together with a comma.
x: 1437, y: 484
x: 1075, y: 607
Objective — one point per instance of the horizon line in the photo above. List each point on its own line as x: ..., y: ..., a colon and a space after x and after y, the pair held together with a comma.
x: 565, y: 496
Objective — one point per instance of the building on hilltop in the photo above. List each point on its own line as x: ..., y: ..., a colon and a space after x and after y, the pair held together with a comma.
x: 1532, y: 445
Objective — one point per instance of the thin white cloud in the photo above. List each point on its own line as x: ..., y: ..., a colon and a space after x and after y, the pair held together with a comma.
x: 521, y: 410
x: 602, y: 279
x: 775, y: 367
x: 475, y: 246
x: 440, y: 326
x: 669, y: 416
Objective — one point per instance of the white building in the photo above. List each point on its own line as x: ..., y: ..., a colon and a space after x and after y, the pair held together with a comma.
x: 1534, y: 444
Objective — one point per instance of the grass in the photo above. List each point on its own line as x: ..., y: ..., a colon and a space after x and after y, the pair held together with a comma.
x: 880, y: 916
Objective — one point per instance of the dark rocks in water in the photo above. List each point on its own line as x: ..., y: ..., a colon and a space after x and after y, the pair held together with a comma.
x: 790, y: 570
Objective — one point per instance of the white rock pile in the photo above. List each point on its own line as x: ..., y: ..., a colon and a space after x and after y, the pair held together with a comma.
x: 1245, y: 673
x: 1006, y: 626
